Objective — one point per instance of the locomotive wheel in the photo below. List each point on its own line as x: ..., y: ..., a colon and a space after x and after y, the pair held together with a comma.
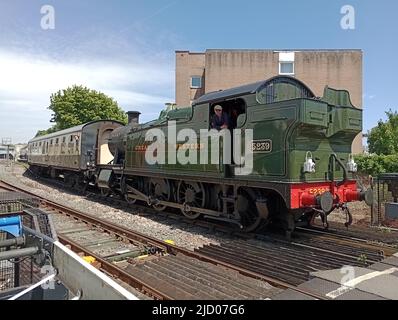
x: 193, y: 194
x: 159, y: 189
x: 69, y: 180
x: 79, y: 185
x: 214, y: 193
x: 129, y: 200
x: 249, y: 216
x: 105, y: 192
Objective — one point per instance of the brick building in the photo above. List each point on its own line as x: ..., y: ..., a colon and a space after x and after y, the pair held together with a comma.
x: 213, y: 70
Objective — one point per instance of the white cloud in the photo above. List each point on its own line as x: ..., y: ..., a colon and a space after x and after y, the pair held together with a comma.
x: 27, y: 81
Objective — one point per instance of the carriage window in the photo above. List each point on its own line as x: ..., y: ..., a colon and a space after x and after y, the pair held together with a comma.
x: 63, y: 139
x: 56, y: 141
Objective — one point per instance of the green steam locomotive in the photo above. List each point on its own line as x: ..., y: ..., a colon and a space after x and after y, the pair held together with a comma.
x: 301, y: 164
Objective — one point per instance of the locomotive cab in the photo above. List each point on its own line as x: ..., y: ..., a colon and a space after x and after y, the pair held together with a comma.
x: 233, y: 109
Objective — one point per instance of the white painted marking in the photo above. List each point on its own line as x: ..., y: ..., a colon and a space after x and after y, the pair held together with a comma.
x: 350, y: 285
x: 20, y: 294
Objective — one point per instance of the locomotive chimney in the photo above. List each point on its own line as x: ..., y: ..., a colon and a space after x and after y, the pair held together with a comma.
x: 133, y: 117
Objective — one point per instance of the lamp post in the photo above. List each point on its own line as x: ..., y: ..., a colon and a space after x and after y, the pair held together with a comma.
x: 7, y: 142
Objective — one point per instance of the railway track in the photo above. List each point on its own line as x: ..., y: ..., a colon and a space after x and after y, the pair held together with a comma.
x: 278, y: 262
x: 358, y: 235
x: 331, y: 237
x: 357, y: 247
x: 378, y: 235
x: 169, y: 273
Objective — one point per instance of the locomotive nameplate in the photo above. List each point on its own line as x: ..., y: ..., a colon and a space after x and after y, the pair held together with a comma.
x: 263, y: 145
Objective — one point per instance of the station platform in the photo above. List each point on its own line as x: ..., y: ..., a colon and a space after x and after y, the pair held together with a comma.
x: 377, y: 282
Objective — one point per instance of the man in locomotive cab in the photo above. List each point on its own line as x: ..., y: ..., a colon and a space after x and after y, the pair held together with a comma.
x: 220, y: 119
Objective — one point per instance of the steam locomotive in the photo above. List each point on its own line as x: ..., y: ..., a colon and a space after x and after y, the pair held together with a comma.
x: 300, y: 164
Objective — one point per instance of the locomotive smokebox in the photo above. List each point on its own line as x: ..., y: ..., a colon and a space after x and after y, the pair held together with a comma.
x: 133, y: 117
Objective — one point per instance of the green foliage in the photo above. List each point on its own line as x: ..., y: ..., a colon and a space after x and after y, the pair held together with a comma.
x: 41, y: 133
x: 77, y: 105
x: 375, y: 164
x: 383, y: 139
x: 362, y: 258
x: 44, y: 132
x: 384, y: 229
x: 383, y: 144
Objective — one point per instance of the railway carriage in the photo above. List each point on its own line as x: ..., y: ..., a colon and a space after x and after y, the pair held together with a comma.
x: 72, y: 153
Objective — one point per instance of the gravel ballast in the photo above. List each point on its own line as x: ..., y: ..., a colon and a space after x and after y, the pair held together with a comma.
x: 184, y: 236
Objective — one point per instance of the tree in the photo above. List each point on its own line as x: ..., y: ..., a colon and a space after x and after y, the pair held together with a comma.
x: 77, y: 105
x: 43, y: 132
x: 383, y: 139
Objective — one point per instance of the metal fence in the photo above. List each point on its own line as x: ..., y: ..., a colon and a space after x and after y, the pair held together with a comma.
x: 15, y: 202
x: 386, y: 196
x: 19, y: 271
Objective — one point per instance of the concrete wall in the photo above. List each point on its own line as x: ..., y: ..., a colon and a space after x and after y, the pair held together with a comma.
x: 227, y: 69
x: 222, y: 69
x: 187, y: 65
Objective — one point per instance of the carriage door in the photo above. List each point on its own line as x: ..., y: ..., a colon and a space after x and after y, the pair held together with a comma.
x: 104, y: 154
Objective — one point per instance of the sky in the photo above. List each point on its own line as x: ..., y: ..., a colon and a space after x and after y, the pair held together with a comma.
x: 125, y: 48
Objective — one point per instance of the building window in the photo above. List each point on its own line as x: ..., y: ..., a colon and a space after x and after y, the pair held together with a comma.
x: 286, y: 63
x: 196, y: 82
x: 286, y: 68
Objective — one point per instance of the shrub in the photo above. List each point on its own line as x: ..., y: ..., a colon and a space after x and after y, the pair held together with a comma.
x: 375, y: 164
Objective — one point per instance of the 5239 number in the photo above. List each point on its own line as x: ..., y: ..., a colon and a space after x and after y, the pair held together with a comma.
x: 264, y: 145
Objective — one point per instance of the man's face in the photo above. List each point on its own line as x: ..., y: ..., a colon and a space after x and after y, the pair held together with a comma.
x: 218, y: 112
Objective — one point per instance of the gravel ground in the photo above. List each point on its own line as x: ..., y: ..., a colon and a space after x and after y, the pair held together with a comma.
x: 188, y: 237
x: 360, y: 213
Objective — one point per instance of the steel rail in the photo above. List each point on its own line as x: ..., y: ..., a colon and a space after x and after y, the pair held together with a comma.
x: 115, y: 271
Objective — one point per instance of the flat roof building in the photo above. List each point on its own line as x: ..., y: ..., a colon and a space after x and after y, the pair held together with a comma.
x: 198, y: 73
